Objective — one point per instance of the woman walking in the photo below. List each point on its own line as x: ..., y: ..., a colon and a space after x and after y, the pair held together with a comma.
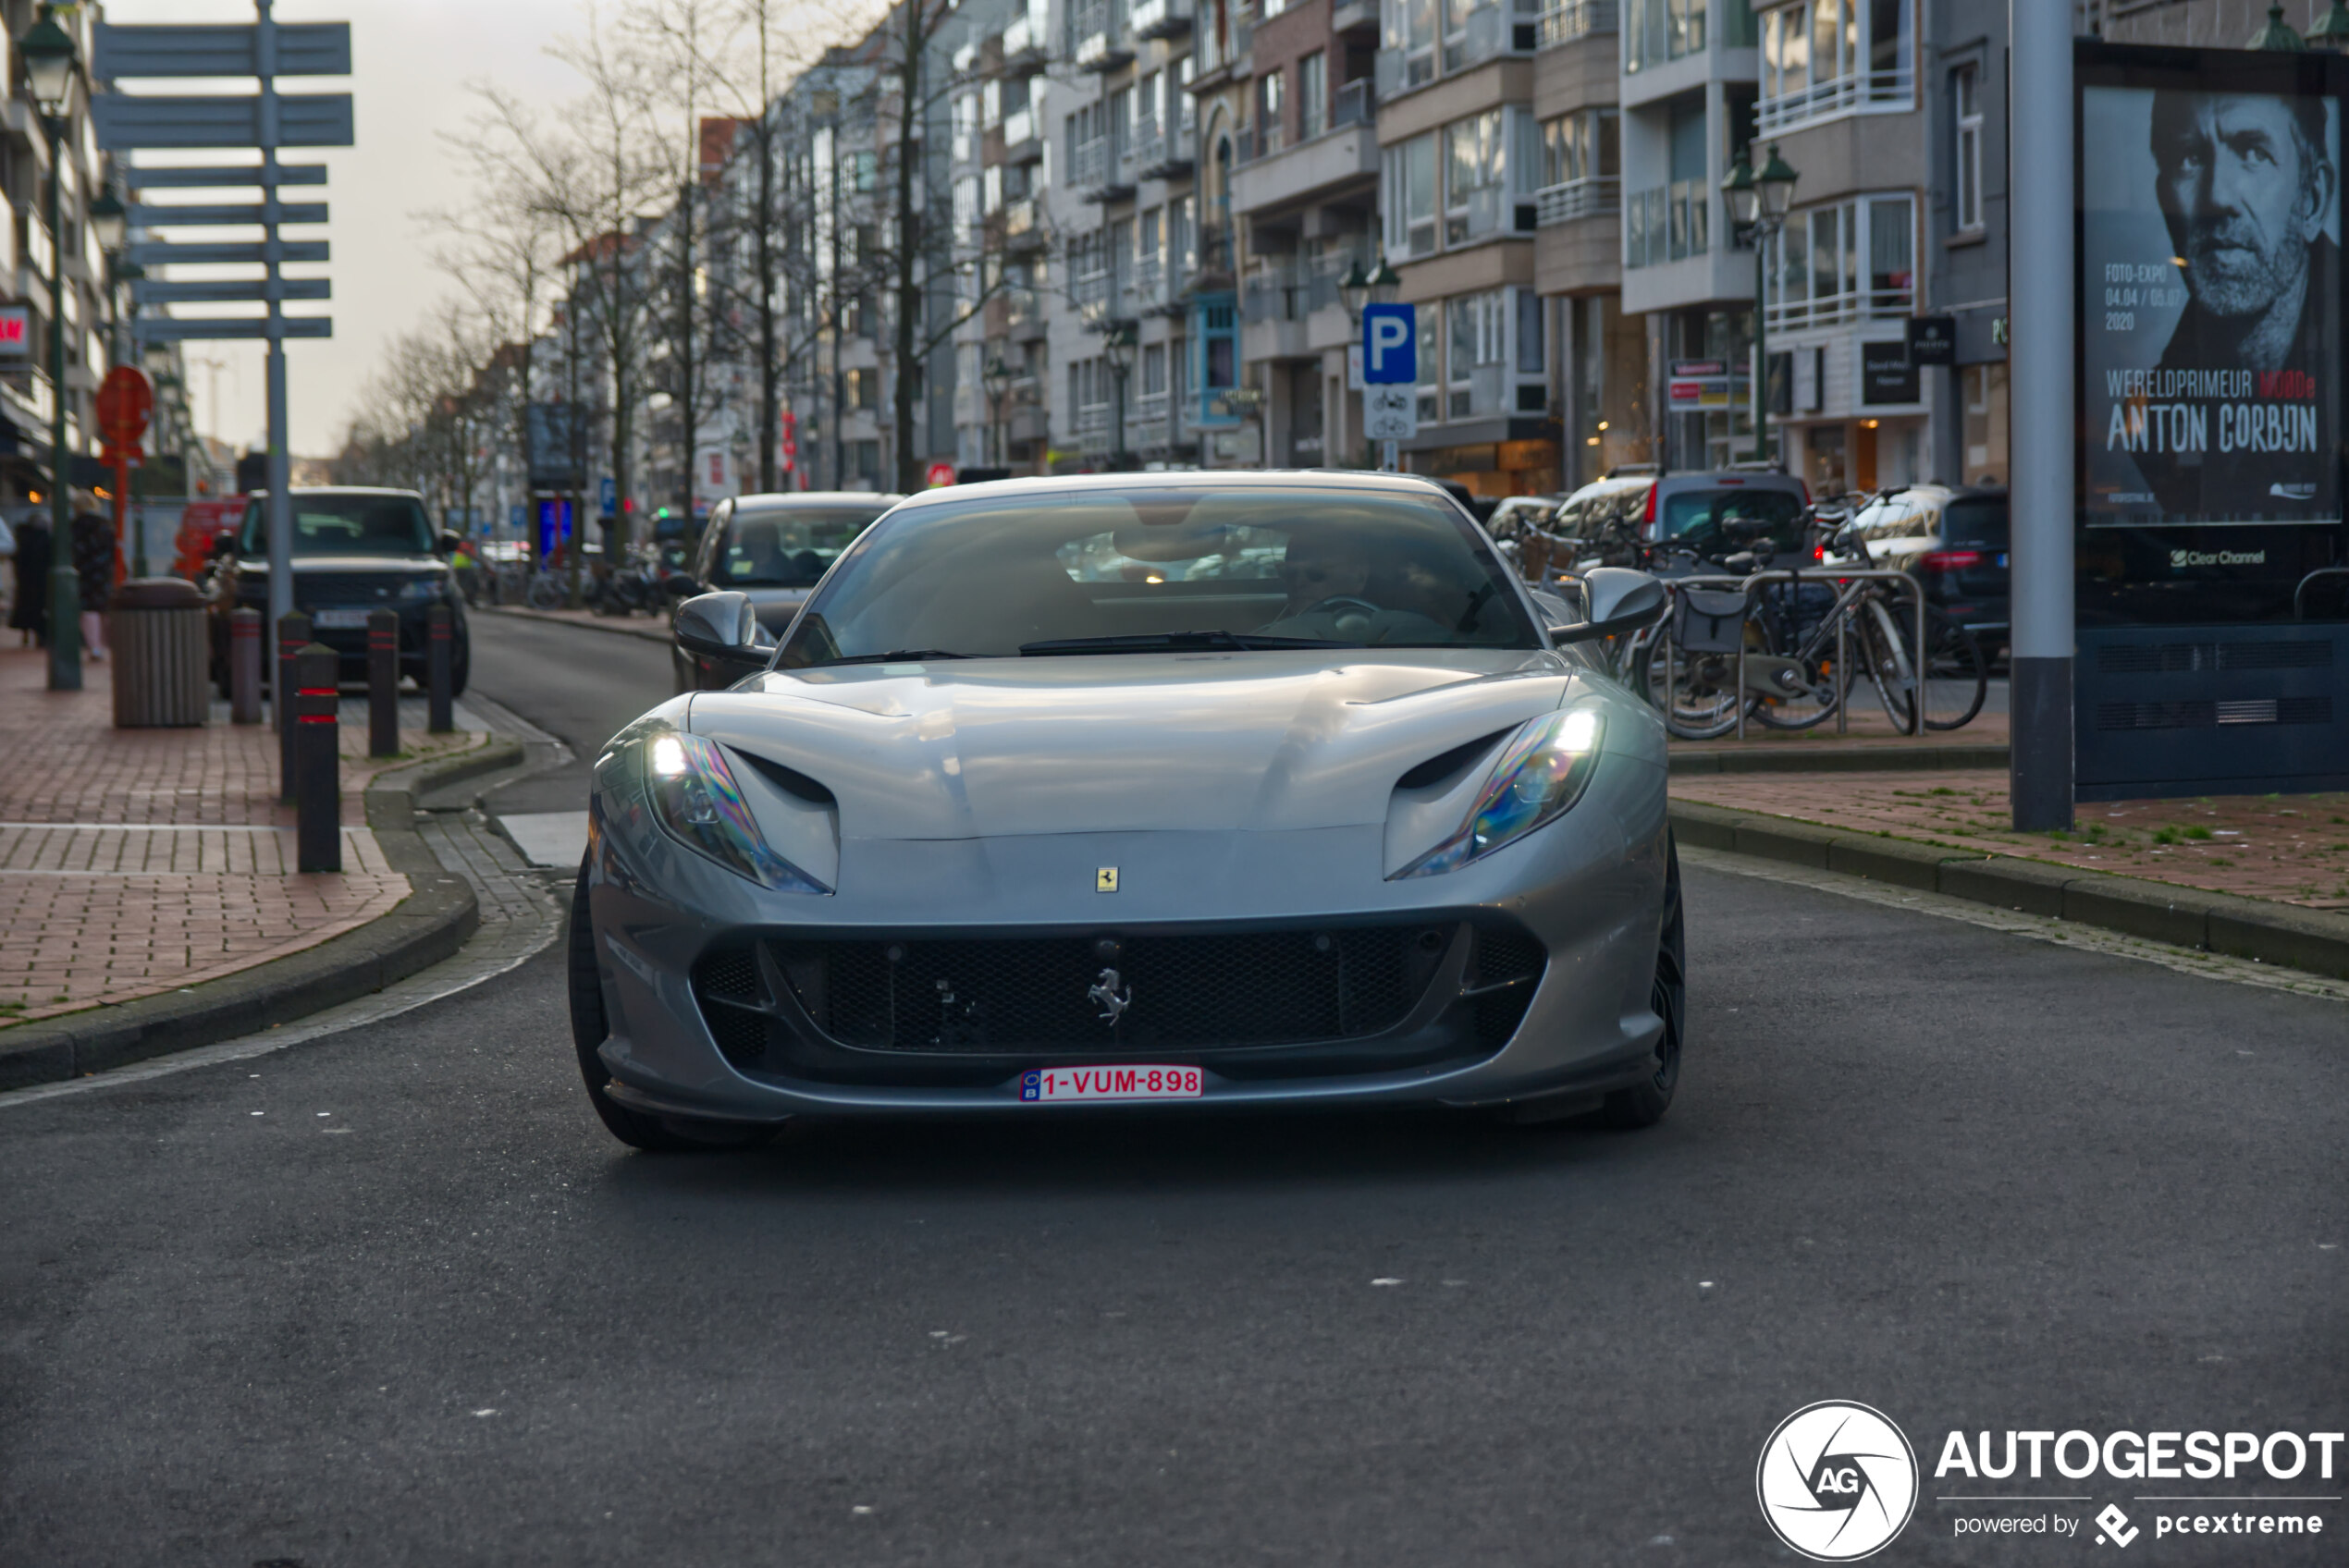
x: 94, y: 563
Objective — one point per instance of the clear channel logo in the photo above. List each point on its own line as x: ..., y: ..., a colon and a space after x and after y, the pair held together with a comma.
x: 1838, y: 1481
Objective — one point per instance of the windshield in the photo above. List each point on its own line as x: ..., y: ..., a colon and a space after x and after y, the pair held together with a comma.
x: 1703, y: 518
x: 1153, y: 567
x: 344, y: 525
x: 787, y: 549
x: 1980, y: 522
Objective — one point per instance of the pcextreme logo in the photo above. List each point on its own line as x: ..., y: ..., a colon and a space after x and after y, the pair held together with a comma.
x: 1836, y: 1481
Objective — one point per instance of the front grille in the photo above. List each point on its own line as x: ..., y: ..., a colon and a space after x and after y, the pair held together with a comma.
x: 1259, y: 1003
x: 1182, y: 992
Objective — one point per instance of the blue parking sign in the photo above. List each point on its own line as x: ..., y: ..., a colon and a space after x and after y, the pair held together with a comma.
x: 1390, y: 345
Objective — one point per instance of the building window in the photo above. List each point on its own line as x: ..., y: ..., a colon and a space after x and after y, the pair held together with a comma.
x: 1965, y: 93
x: 1658, y: 31
x: 1409, y: 200
x: 1430, y: 359
x: 1482, y: 173
x: 1823, y: 57
x: 1154, y: 370
x: 1410, y: 35
x: 1985, y: 423
x: 1270, y: 108
x: 1476, y: 351
x: 1312, y: 95
x: 1579, y: 165
x: 1674, y: 221
x: 1849, y: 260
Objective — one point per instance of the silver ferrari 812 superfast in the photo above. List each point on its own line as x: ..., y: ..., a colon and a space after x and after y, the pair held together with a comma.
x: 1165, y: 790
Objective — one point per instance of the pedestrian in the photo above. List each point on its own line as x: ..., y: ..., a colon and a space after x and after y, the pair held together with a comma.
x: 94, y: 563
x: 28, y: 612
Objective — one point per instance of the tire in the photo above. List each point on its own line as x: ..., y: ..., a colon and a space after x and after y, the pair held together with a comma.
x: 1957, y: 677
x: 1643, y: 1104
x: 655, y: 1134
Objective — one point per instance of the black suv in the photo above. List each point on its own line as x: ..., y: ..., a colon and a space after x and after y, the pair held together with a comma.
x: 354, y: 550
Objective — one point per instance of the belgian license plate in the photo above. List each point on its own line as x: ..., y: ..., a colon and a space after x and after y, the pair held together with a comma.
x: 347, y: 620
x: 1056, y: 1084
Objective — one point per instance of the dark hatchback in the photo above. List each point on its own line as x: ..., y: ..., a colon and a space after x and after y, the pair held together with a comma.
x: 773, y: 549
x: 354, y: 550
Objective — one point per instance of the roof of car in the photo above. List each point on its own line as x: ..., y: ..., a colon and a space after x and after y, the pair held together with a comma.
x: 789, y: 499
x: 1205, y: 479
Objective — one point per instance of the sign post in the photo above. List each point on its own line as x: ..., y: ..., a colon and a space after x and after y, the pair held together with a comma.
x: 269, y: 121
x: 1390, y: 378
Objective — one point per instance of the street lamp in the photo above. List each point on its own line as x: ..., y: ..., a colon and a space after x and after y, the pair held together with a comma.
x: 998, y: 377
x: 109, y: 221
x: 2275, y: 35
x: 1758, y: 204
x: 50, y: 64
x: 1354, y: 289
x: 1117, y: 341
x: 1385, y: 283
x: 2332, y: 29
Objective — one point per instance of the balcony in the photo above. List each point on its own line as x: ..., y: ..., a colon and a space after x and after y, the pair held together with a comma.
x: 1831, y: 310
x: 1354, y: 15
x: 1345, y: 156
x: 1218, y: 59
x: 1492, y: 30
x: 1161, y: 19
x: 1485, y: 210
x: 1024, y: 231
x: 1669, y: 223
x: 1162, y: 154
x: 1021, y: 144
x: 1101, y: 171
x: 1023, y: 50
x: 1104, y: 299
x: 1596, y: 196
x: 1861, y: 92
x: 1023, y: 315
x: 1573, y: 21
x: 1094, y: 43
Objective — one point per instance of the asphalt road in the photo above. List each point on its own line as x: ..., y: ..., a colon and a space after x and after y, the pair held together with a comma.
x: 421, y: 1309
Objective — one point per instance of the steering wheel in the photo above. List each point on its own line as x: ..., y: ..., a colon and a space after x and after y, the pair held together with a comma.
x: 1338, y: 604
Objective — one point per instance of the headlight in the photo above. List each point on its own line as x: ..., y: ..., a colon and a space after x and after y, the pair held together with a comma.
x: 1542, y: 770
x: 694, y: 794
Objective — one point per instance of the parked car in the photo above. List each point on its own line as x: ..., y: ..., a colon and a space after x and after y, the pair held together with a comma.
x: 1952, y: 540
x: 1026, y: 817
x: 1610, y: 522
x: 774, y: 549
x: 354, y: 550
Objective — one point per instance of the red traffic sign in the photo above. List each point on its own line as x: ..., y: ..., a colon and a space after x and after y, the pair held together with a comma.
x: 941, y: 474
x: 124, y: 402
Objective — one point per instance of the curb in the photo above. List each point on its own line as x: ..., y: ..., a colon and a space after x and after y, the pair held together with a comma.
x: 1796, y: 757
x: 624, y: 626
x: 429, y: 924
x: 2312, y: 939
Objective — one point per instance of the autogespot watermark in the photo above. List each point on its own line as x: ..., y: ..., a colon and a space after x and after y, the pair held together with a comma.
x: 1838, y: 1481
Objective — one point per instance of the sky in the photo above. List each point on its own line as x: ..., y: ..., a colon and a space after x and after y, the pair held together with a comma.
x: 411, y: 60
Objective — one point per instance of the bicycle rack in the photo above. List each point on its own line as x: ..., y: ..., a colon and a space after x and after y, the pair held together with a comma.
x: 2299, y: 592
x: 1836, y: 575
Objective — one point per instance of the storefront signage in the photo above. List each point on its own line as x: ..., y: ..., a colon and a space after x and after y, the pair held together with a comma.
x: 1887, y: 375
x: 1933, y: 340
x: 16, y: 334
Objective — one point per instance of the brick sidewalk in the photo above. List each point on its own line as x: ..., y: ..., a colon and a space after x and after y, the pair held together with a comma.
x: 2292, y: 849
x: 654, y: 629
x: 136, y: 861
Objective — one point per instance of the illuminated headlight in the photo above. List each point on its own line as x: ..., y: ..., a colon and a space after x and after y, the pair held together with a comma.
x: 694, y: 795
x: 1542, y: 772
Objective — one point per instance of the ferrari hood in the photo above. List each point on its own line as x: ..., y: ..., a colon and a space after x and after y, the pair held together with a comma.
x: 1258, y: 742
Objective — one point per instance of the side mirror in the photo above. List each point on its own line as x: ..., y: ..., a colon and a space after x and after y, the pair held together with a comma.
x: 449, y: 542
x: 1618, y: 600
x: 223, y: 547
x: 717, y: 626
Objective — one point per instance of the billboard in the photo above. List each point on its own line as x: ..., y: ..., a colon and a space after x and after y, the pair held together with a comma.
x: 554, y: 448
x: 2210, y: 312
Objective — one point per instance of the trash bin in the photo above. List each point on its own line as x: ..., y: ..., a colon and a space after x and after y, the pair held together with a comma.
x: 157, y: 642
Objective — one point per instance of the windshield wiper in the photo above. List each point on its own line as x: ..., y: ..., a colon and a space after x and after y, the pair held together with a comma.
x: 1175, y: 642
x: 899, y: 655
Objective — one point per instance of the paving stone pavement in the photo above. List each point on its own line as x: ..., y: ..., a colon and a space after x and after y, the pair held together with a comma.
x: 133, y: 862
x: 2292, y: 849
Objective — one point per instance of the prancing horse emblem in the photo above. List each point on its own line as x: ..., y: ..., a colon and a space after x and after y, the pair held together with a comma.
x: 1114, y: 999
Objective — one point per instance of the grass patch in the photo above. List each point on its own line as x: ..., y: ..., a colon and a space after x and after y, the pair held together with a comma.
x: 2198, y: 831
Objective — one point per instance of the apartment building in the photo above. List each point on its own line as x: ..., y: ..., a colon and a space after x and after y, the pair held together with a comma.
x: 1460, y: 184
x: 1002, y: 365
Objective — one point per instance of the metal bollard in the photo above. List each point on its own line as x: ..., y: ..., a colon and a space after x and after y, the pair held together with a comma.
x: 382, y: 683
x: 318, y: 798
x: 440, y: 639
x: 293, y: 632
x: 244, y: 667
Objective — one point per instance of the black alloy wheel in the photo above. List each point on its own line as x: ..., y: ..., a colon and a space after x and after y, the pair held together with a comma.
x: 1643, y: 1104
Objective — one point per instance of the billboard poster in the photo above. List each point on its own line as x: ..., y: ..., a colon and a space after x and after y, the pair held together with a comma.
x: 2211, y: 244
x: 2211, y: 380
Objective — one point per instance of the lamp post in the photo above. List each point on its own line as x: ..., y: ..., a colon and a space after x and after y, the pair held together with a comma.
x: 49, y: 64
x: 998, y: 377
x: 1758, y: 204
x: 1117, y: 343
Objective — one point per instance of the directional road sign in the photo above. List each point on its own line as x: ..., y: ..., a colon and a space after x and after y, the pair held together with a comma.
x: 140, y: 178
x: 304, y: 49
x: 1390, y: 345
x: 226, y: 252
x: 1390, y: 414
x: 304, y: 119
x: 183, y: 329
x: 223, y: 214
x: 227, y: 290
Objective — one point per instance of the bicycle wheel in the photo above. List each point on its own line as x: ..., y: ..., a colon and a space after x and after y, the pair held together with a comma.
x: 1695, y: 692
x: 545, y: 592
x: 1957, y: 677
